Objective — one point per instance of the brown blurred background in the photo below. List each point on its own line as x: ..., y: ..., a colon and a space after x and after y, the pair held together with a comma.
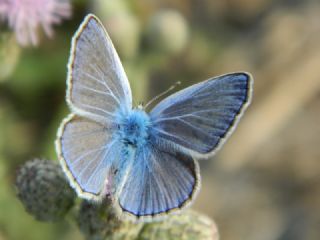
x: 265, y: 182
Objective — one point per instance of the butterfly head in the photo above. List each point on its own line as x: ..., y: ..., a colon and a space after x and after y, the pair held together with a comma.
x: 133, y: 127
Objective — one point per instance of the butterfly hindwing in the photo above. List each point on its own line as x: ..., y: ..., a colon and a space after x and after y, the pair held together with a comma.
x: 161, y: 180
x: 97, y: 83
x: 200, y: 118
x: 87, y: 151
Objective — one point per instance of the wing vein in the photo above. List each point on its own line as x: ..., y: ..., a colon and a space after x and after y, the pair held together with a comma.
x: 107, y: 151
x: 98, y: 109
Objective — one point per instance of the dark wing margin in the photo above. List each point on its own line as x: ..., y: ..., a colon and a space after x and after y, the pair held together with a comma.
x: 201, y: 117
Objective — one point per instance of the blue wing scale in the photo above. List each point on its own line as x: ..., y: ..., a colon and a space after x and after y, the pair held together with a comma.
x: 200, y: 118
x: 162, y: 180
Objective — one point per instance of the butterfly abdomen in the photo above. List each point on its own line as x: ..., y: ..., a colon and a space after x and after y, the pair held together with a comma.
x: 133, y: 128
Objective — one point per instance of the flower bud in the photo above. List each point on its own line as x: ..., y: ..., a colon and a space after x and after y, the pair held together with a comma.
x: 97, y: 221
x: 43, y: 190
x: 189, y: 225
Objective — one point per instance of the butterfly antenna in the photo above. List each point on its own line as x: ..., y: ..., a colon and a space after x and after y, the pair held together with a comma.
x: 161, y: 94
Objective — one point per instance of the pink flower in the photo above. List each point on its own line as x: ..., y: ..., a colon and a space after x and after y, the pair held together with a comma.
x: 25, y: 17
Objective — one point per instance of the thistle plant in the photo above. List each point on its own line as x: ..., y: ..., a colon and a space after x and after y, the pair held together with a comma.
x: 43, y: 190
x: 46, y: 195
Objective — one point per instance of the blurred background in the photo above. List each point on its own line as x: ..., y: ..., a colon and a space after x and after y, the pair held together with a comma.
x: 265, y: 182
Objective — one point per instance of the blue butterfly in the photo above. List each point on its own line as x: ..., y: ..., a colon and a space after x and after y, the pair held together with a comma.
x: 147, y: 162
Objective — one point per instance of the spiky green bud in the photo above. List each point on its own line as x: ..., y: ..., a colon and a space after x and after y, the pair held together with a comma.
x: 98, y: 222
x: 189, y: 225
x: 43, y: 190
x: 46, y: 195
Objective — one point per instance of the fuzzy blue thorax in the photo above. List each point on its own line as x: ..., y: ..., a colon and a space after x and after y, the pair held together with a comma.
x: 133, y: 127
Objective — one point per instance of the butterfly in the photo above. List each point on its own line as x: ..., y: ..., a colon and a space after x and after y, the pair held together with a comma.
x: 146, y: 162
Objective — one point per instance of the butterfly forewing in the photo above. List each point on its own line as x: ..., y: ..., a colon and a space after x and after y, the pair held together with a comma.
x: 97, y: 83
x: 199, y: 118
